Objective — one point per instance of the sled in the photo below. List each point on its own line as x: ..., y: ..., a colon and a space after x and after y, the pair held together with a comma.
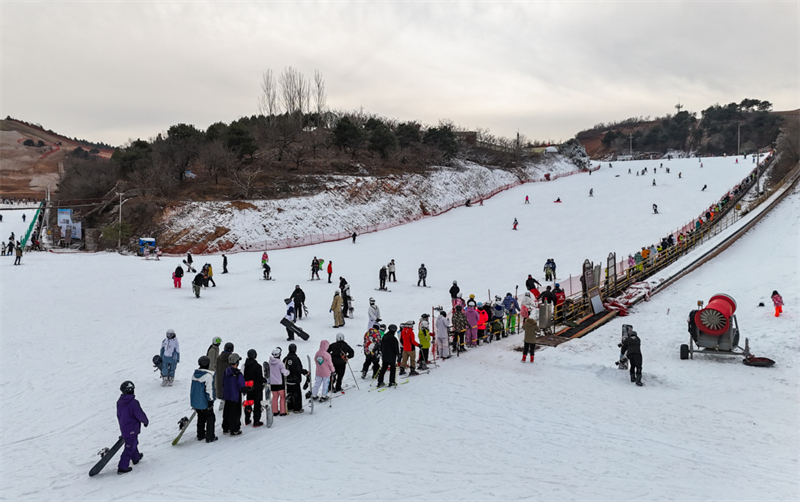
x: 760, y: 362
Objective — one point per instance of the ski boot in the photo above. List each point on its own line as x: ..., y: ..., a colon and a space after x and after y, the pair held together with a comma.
x: 212, y: 439
x: 639, y: 380
x: 524, y: 357
x: 363, y: 375
x: 413, y: 372
x: 169, y: 383
x: 164, y: 381
x: 531, y: 357
x: 124, y: 471
x: 141, y: 456
x: 402, y: 371
x: 633, y: 377
x: 380, y: 384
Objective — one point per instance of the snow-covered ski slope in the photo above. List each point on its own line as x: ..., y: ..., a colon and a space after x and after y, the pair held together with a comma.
x: 480, y: 427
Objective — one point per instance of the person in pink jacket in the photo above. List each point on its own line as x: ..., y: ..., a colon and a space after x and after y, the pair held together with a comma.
x: 777, y: 300
x: 277, y: 371
x: 324, y: 365
x: 473, y: 317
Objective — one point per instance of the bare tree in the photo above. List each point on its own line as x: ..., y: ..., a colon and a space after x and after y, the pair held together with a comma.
x: 268, y: 100
x: 216, y: 159
x: 295, y: 91
x: 244, y: 178
x: 320, y: 99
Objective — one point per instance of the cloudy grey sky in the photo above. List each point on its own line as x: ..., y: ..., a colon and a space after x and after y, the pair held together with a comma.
x: 112, y: 71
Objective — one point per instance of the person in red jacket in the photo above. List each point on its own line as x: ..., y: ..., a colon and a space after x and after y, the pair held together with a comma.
x: 409, y: 343
x: 777, y: 300
x: 330, y: 271
x: 483, y: 318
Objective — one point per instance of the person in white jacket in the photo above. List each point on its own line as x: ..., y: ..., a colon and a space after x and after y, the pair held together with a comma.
x: 391, y: 269
x: 443, y: 335
x: 170, y: 357
x: 374, y: 313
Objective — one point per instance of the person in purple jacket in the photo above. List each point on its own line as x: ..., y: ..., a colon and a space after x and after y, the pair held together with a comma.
x: 232, y: 387
x: 130, y: 417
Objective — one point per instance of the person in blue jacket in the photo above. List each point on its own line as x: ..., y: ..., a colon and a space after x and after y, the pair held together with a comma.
x: 232, y: 387
x: 512, y: 308
x: 130, y: 417
x: 202, y: 399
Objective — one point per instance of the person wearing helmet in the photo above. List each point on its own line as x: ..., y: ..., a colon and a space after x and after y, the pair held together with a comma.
x: 512, y: 309
x: 409, y: 343
x: 219, y: 375
x: 382, y: 274
x: 548, y: 270
x: 347, y: 300
x: 372, y: 351
x: 483, y: 319
x: 170, y: 357
x: 336, y: 308
x: 460, y: 327
x: 213, y: 352
x: 443, y: 335
x: 531, y: 328
x: 324, y: 368
x: 202, y: 399
x: 373, y: 313
x: 390, y: 349
x: 232, y: 388
x: 277, y: 372
x: 391, y: 268
x: 473, y: 318
x: 130, y: 417
x: 531, y: 283
x: 290, y: 316
x: 198, y: 283
x: 423, y: 274
x: 254, y: 379
x: 299, y: 298
x: 454, y: 290
x: 633, y: 346
x: 424, y: 335
x: 559, y: 294
x: 294, y: 397
x: 471, y: 302
x: 340, y: 353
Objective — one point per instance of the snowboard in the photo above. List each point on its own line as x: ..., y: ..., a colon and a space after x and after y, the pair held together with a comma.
x: 267, y: 396
x: 183, y: 424
x: 384, y: 289
x: 105, y: 456
x: 189, y: 267
x: 421, y: 286
x: 297, y: 330
x: 310, y: 400
x: 623, y: 360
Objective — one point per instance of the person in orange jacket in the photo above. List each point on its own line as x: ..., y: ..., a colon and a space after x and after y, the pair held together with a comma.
x: 409, y: 343
x: 483, y: 318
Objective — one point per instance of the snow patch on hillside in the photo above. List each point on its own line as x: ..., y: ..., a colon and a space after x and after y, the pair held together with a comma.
x: 349, y: 203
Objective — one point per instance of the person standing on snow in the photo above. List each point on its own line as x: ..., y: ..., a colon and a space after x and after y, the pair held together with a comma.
x: 213, y: 353
x: 483, y: 319
x: 232, y: 388
x: 277, y: 372
x: 294, y: 397
x: 424, y: 335
x: 255, y: 374
x: 197, y: 284
x: 423, y: 274
x: 210, y: 274
x: 531, y: 328
x: 515, y: 224
x: 512, y: 309
x: 340, y: 353
x: 315, y: 268
x: 373, y: 313
x: 460, y: 326
x: 391, y: 268
x: 130, y: 417
x: 390, y: 349
x: 299, y: 298
x: 372, y: 351
x: 473, y: 318
x: 443, y: 335
x: 330, y: 271
x: 177, y: 276
x: 548, y: 296
x: 224, y: 264
x: 223, y: 361
x: 527, y: 201
x: 409, y: 344
x: 189, y: 261
x: 202, y: 397
x: 18, y: 255
x: 170, y: 357
x: 346, y: 299
x: 548, y: 271
x: 336, y: 308
x: 382, y: 278
x: 777, y: 301
x: 290, y: 316
x: 354, y: 237
x: 454, y: 290
x: 324, y: 368
x: 632, y: 346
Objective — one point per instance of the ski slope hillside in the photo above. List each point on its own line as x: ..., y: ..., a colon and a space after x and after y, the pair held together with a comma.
x: 12, y: 222
x: 479, y: 427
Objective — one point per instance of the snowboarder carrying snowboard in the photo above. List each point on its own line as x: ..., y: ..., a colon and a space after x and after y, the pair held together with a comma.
x: 202, y: 399
x: 130, y: 417
x: 632, y: 347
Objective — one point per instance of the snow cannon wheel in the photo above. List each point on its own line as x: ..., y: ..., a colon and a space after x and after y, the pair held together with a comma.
x: 761, y: 362
x: 684, y: 352
x: 714, y: 320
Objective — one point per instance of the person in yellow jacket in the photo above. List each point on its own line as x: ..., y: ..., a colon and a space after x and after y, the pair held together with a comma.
x: 424, y: 342
x: 336, y: 308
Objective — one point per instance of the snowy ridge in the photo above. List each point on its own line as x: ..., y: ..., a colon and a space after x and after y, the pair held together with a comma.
x: 350, y: 203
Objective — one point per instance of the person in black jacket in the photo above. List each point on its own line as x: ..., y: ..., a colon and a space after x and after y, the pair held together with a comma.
x: 254, y: 373
x: 224, y: 264
x: 340, y: 352
x: 531, y: 283
x: 299, y: 298
x: 632, y: 346
x: 198, y: 282
x: 454, y: 291
x: 382, y: 274
x: 178, y: 276
x: 294, y: 398
x: 390, y: 350
x: 548, y: 296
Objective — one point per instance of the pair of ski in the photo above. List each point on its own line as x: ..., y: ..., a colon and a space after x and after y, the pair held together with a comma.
x: 381, y: 389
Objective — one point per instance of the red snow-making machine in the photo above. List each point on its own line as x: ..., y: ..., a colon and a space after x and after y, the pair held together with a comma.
x: 715, y: 330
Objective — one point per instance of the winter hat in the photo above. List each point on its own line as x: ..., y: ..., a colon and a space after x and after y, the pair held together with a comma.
x: 422, y: 265
x: 339, y: 337
x: 204, y: 362
x: 228, y: 347
x: 548, y: 288
x: 234, y: 358
x: 336, y: 292
x: 372, y: 300
x: 276, y: 352
x: 376, y: 325
x: 455, y: 282
x: 472, y: 296
x: 458, y: 307
x: 252, y: 354
x: 392, y: 327
x: 528, y: 294
x: 442, y: 313
x: 292, y: 348
x: 459, y: 295
x: 216, y: 340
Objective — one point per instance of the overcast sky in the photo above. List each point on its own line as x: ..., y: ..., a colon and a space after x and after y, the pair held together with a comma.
x: 125, y: 70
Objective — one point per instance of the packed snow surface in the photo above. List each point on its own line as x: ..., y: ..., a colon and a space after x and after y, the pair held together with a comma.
x: 483, y: 426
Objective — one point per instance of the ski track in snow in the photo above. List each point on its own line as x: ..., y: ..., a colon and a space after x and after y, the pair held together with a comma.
x: 483, y: 426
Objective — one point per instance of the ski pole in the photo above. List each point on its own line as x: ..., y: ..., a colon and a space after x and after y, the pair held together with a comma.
x: 354, y: 375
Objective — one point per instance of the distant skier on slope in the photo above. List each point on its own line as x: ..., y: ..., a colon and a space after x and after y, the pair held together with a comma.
x: 515, y: 224
x: 423, y: 274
